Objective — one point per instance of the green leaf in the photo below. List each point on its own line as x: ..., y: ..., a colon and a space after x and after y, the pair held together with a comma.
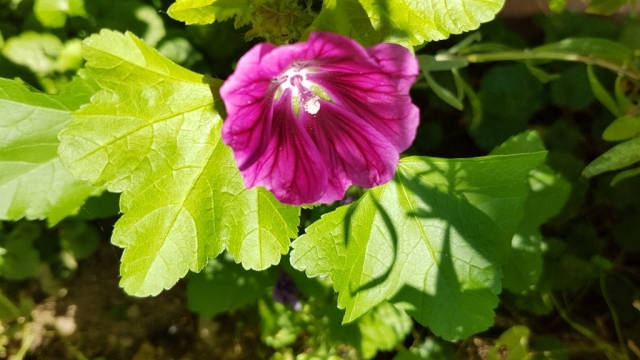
x: 618, y: 157
x: 53, y: 13
x: 549, y: 347
x: 141, y: 18
x: 208, y: 11
x: 19, y: 259
x: 622, y: 128
x: 590, y: 47
x: 510, y: 95
x: 542, y: 76
x: 623, y: 175
x: 431, y: 349
x: 382, y: 328
x: 33, y: 182
x: 516, y: 341
x: 278, y: 328
x: 78, y: 238
x: 571, y: 90
x: 557, y: 6
x: 601, y: 94
x: 430, y: 241
x: 429, y: 64
x: 624, y: 104
x: 8, y: 311
x: 38, y: 52
x: 225, y: 286
x: 605, y: 7
x: 99, y: 207
x: 405, y: 22
x: 153, y: 134
x: 548, y: 193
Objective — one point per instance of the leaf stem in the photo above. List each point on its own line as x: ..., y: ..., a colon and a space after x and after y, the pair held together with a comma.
x: 614, y: 317
x: 516, y: 55
x: 607, y: 348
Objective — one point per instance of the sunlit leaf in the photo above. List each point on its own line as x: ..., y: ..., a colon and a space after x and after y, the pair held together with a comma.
x: 153, y: 134
x: 406, y: 22
x: 54, y: 13
x: 33, y: 182
x: 515, y: 340
x: 208, y: 11
x: 430, y: 241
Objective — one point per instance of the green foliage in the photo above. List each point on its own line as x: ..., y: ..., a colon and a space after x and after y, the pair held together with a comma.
x: 571, y: 89
x: 557, y: 5
x: 18, y: 257
x: 33, y: 182
x: 277, y: 21
x: 405, y: 22
x: 369, y: 22
x: 224, y: 286
x: 605, y: 7
x: 515, y: 341
x: 54, y: 13
x: 412, y: 250
x: 382, y: 328
x: 510, y: 95
x: 548, y: 193
x: 618, y: 157
x: 78, y: 238
x: 208, y: 11
x: 441, y: 242
x: 183, y: 199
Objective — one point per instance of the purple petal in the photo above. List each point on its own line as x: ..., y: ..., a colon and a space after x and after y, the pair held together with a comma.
x: 397, y: 63
x: 291, y: 166
x: 248, y: 127
x: 287, y: 137
x: 375, y: 99
x: 354, y: 151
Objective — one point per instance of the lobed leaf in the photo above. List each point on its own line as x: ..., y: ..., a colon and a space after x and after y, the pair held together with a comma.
x: 54, y: 14
x: 33, y: 182
x: 548, y: 193
x: 406, y: 22
x: 153, y: 134
x: 431, y: 241
x: 208, y: 11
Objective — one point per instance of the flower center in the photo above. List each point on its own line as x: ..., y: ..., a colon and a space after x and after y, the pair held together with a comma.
x: 304, y: 93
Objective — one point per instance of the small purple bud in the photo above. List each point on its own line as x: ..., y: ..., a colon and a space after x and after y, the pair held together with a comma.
x: 286, y: 292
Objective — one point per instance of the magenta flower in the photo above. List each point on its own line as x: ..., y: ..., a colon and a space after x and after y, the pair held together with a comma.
x: 310, y: 119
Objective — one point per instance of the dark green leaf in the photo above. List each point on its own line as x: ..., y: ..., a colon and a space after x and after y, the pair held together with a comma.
x: 224, y: 286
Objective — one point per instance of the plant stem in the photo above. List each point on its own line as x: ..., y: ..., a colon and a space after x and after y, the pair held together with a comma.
x: 614, y: 317
x: 609, y: 350
x: 547, y: 55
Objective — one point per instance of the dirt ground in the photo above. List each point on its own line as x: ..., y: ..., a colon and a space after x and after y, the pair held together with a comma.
x: 93, y: 318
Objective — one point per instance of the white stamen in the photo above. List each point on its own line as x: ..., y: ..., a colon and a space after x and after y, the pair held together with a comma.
x: 310, y: 101
x: 312, y: 105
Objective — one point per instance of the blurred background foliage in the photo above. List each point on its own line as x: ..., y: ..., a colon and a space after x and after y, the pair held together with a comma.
x: 58, y: 286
